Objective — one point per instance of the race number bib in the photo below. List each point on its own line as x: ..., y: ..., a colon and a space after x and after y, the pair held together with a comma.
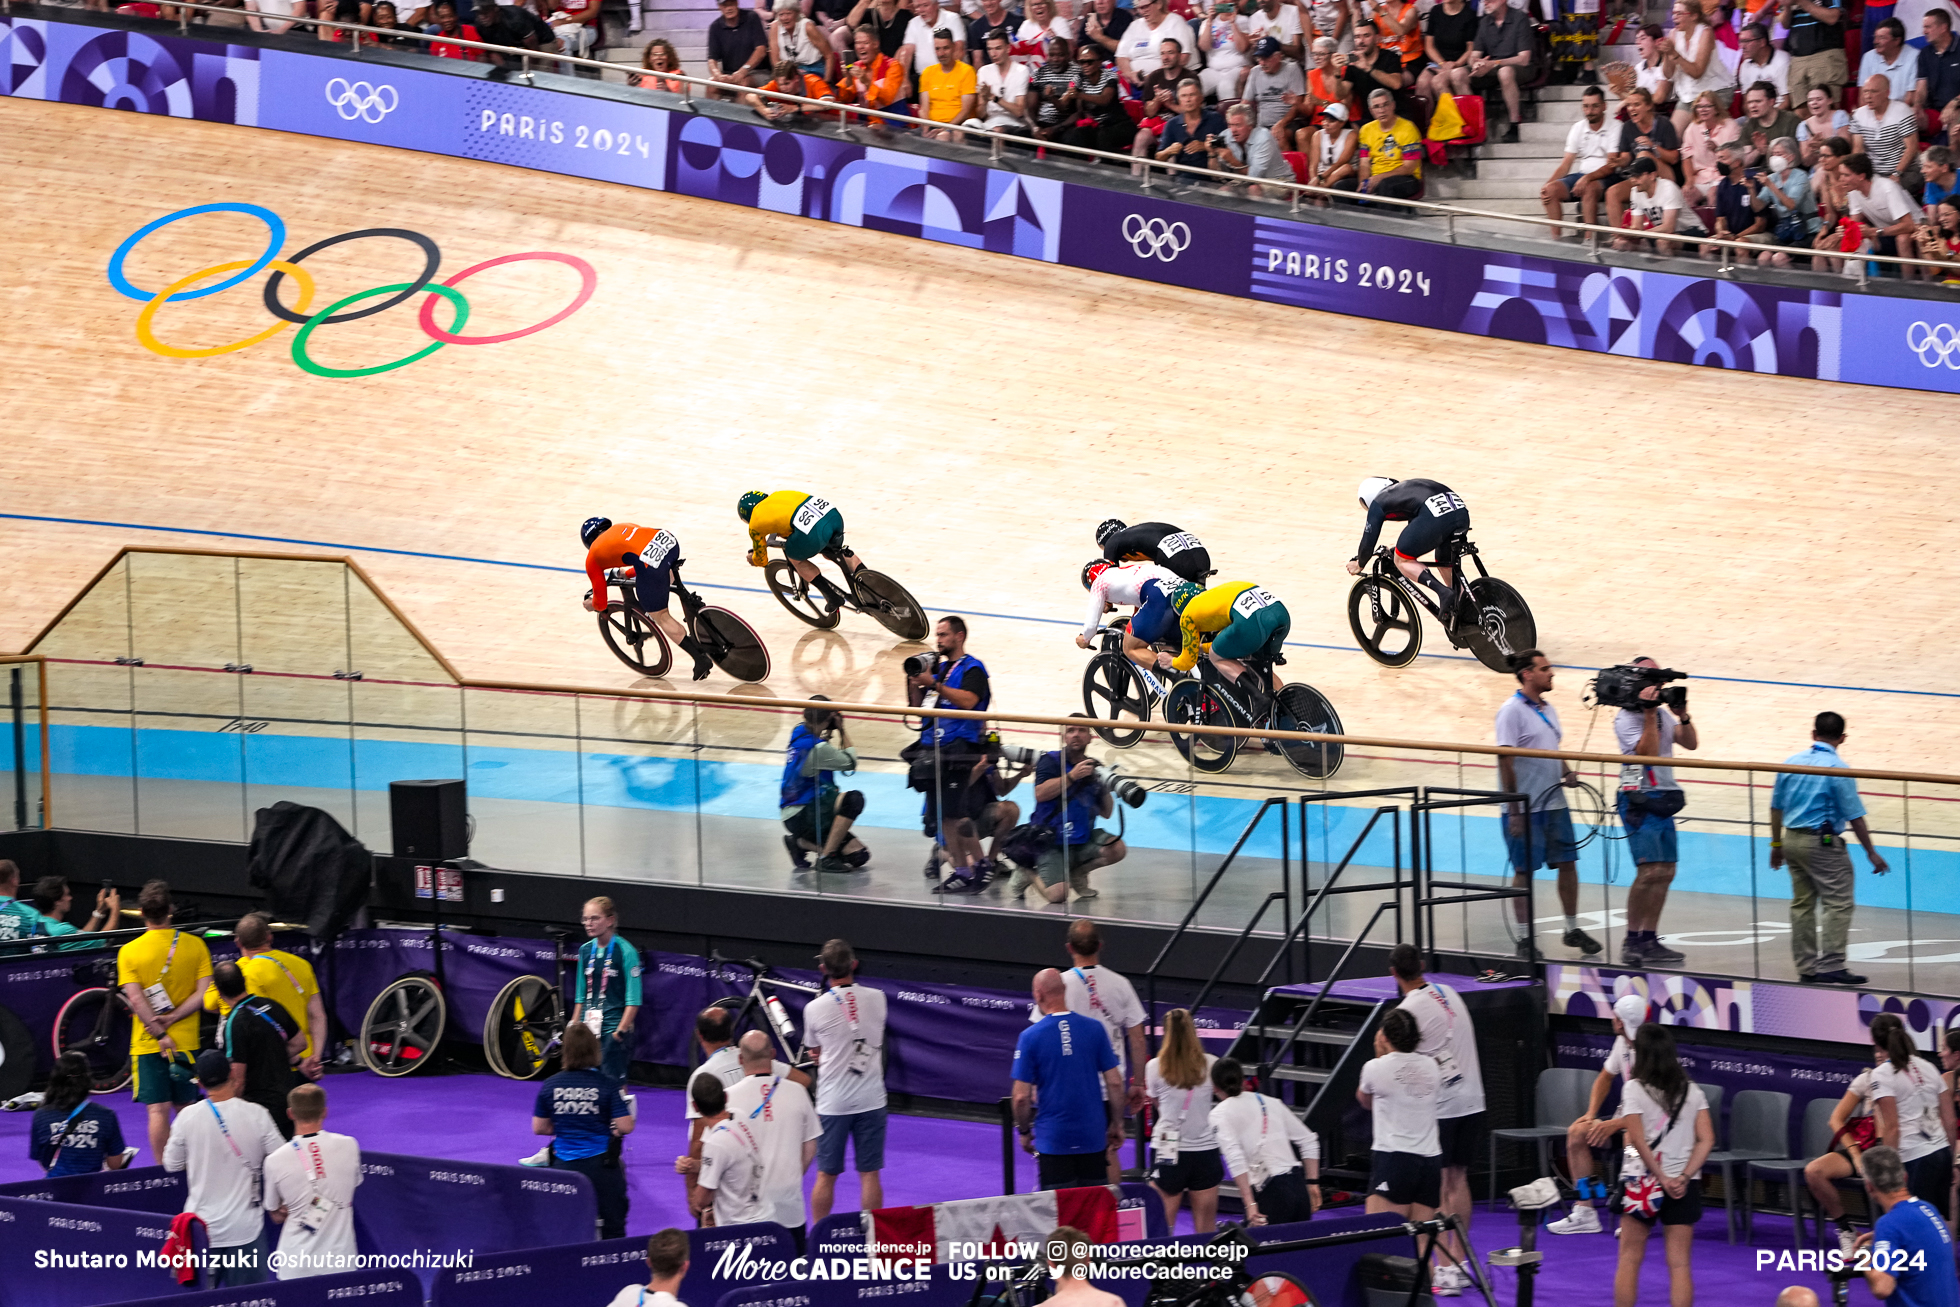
x: 1447, y: 502
x: 809, y: 514
x: 1251, y: 600
x: 1180, y: 542
x: 659, y: 549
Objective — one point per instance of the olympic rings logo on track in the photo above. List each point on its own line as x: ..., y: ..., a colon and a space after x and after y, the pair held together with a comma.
x: 362, y: 100
x: 1156, y: 239
x: 340, y: 310
x: 1935, y: 345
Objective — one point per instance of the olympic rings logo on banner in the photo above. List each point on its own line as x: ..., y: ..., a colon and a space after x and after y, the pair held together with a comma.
x: 1935, y: 345
x: 302, y: 315
x: 362, y: 100
x: 1156, y: 239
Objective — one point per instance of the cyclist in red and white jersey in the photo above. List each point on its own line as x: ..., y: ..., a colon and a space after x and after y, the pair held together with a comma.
x: 1113, y: 585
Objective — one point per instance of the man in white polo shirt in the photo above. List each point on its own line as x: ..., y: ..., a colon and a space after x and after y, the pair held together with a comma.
x: 1094, y: 990
x: 715, y: 1028
x: 784, y: 1121
x: 1538, y: 830
x: 726, y: 1188
x: 1446, y: 1034
x: 844, y: 1030
x: 309, y: 1191
x: 1586, y: 166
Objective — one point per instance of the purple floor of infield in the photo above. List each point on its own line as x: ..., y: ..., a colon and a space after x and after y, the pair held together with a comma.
x: 487, y: 1119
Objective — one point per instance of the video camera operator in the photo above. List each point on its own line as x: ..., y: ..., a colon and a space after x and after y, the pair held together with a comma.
x: 942, y: 761
x: 1070, y: 792
x: 816, y: 814
x: 1648, y: 800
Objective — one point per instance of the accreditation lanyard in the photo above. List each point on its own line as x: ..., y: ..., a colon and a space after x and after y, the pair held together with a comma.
x: 1089, y: 983
x: 755, y: 1149
x: 319, y: 1164
x: 1550, y: 725
x: 1448, y: 1012
x: 1261, y: 1100
x: 605, y: 961
x: 763, y: 1109
x: 63, y: 1141
x: 291, y: 979
x: 847, y: 999
x: 227, y: 1132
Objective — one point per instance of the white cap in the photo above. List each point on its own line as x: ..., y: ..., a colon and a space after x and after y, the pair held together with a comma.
x: 1631, y: 1009
x: 1370, y: 487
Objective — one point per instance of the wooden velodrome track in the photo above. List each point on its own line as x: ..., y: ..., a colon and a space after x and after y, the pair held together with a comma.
x: 972, y: 414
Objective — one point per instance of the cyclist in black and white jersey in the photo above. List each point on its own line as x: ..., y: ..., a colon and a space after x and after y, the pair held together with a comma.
x: 1155, y: 542
x: 1435, y: 514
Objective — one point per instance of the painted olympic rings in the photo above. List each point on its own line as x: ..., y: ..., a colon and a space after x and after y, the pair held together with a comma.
x: 429, y: 252
x: 301, y: 313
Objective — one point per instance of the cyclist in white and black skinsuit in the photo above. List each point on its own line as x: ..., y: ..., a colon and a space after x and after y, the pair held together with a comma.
x: 1435, y: 515
x: 1111, y: 585
x: 1155, y: 542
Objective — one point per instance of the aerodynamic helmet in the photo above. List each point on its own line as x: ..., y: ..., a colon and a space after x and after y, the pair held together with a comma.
x: 1107, y: 528
x: 1092, y: 570
x: 1370, y: 487
x: 746, y: 504
x: 594, y: 528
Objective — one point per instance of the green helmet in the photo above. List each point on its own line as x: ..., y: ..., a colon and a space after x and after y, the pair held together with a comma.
x: 746, y: 504
x: 1181, y: 594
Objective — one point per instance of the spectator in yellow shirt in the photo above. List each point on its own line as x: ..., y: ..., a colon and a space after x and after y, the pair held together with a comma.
x: 1391, y: 152
x: 285, y: 978
x: 163, y: 973
x: 948, y: 90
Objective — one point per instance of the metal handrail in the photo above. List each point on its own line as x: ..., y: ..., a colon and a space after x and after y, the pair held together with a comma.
x: 1306, y: 914
x: 999, y: 140
x: 1225, y: 959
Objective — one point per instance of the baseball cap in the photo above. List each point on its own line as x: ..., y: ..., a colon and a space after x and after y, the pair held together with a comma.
x: 1631, y: 1009
x: 1335, y: 111
x: 213, y: 1068
x: 1641, y: 167
x: 1264, y: 46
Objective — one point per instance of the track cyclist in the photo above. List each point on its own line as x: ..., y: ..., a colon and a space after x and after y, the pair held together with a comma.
x: 1155, y: 542
x: 805, y: 526
x: 1436, y: 516
x: 1231, y: 621
x: 654, y: 556
x: 1138, y: 585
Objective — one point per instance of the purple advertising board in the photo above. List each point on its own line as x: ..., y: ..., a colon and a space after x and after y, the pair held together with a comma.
x: 1414, y: 278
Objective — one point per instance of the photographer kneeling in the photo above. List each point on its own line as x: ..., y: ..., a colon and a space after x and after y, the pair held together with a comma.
x: 1070, y: 793
x: 817, y: 816
x: 1655, y: 720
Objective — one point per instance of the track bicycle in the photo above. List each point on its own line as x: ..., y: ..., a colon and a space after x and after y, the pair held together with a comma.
x: 759, y: 1008
x: 524, y: 1029
x: 1489, y: 616
x: 1211, y: 700
x: 95, y: 1022
x: 884, y: 600
x: 730, y: 643
x: 1114, y: 688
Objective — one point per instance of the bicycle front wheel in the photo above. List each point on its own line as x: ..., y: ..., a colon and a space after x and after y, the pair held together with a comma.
x: 1504, y: 625
x: 1113, y: 689
x: 890, y: 604
x: 1303, y: 708
x: 521, y: 1030
x: 635, y: 640
x: 403, y: 1026
x: 732, y: 643
x: 96, y: 1024
x: 795, y: 594
x: 1276, y: 1289
x: 1193, y: 703
x: 1385, y: 622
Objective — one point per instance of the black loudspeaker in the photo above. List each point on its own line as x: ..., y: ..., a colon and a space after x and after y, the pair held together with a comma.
x: 428, y: 819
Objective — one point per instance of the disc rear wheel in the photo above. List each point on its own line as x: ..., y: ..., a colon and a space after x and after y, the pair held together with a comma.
x: 1193, y: 703
x: 403, y: 1026
x: 1113, y: 689
x: 732, y: 644
x: 890, y: 604
x: 635, y: 640
x: 1385, y: 622
x: 1303, y: 708
x: 1504, y: 624
x: 522, y: 1029
x: 804, y: 601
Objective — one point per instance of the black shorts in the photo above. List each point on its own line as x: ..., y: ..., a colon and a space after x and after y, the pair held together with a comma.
x: 1072, y: 1170
x: 1283, y: 1199
x: 1195, y: 1168
x: 1685, y: 1210
x: 1407, y: 1178
x: 1930, y: 1177
x: 1426, y: 532
x: 1460, y: 1137
x: 653, y: 571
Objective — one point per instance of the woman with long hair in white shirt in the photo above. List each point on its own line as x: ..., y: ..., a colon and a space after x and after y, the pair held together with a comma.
x: 1184, y: 1149
x: 1914, y: 1108
x: 1274, y: 1159
x: 1669, y: 1133
x: 1690, y: 56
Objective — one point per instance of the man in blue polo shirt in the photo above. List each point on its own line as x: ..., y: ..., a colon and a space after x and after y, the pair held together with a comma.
x: 1079, y: 1117
x: 1911, y: 1252
x: 1807, y: 813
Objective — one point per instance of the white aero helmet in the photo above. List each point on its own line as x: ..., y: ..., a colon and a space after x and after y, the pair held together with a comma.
x: 1370, y: 487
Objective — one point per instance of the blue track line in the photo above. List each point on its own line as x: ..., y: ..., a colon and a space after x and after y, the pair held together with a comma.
x: 751, y: 589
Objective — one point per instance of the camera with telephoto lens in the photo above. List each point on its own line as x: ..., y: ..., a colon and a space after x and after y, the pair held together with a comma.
x: 920, y: 664
x: 1620, y: 686
x: 1120, y: 786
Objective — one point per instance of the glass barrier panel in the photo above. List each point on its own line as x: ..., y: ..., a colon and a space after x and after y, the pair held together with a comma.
x: 295, y: 717
x: 93, y: 741
x: 739, y: 769
x: 641, y: 788
x: 407, y: 712
x: 1927, y: 862
x: 189, y: 756
x: 522, y: 764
